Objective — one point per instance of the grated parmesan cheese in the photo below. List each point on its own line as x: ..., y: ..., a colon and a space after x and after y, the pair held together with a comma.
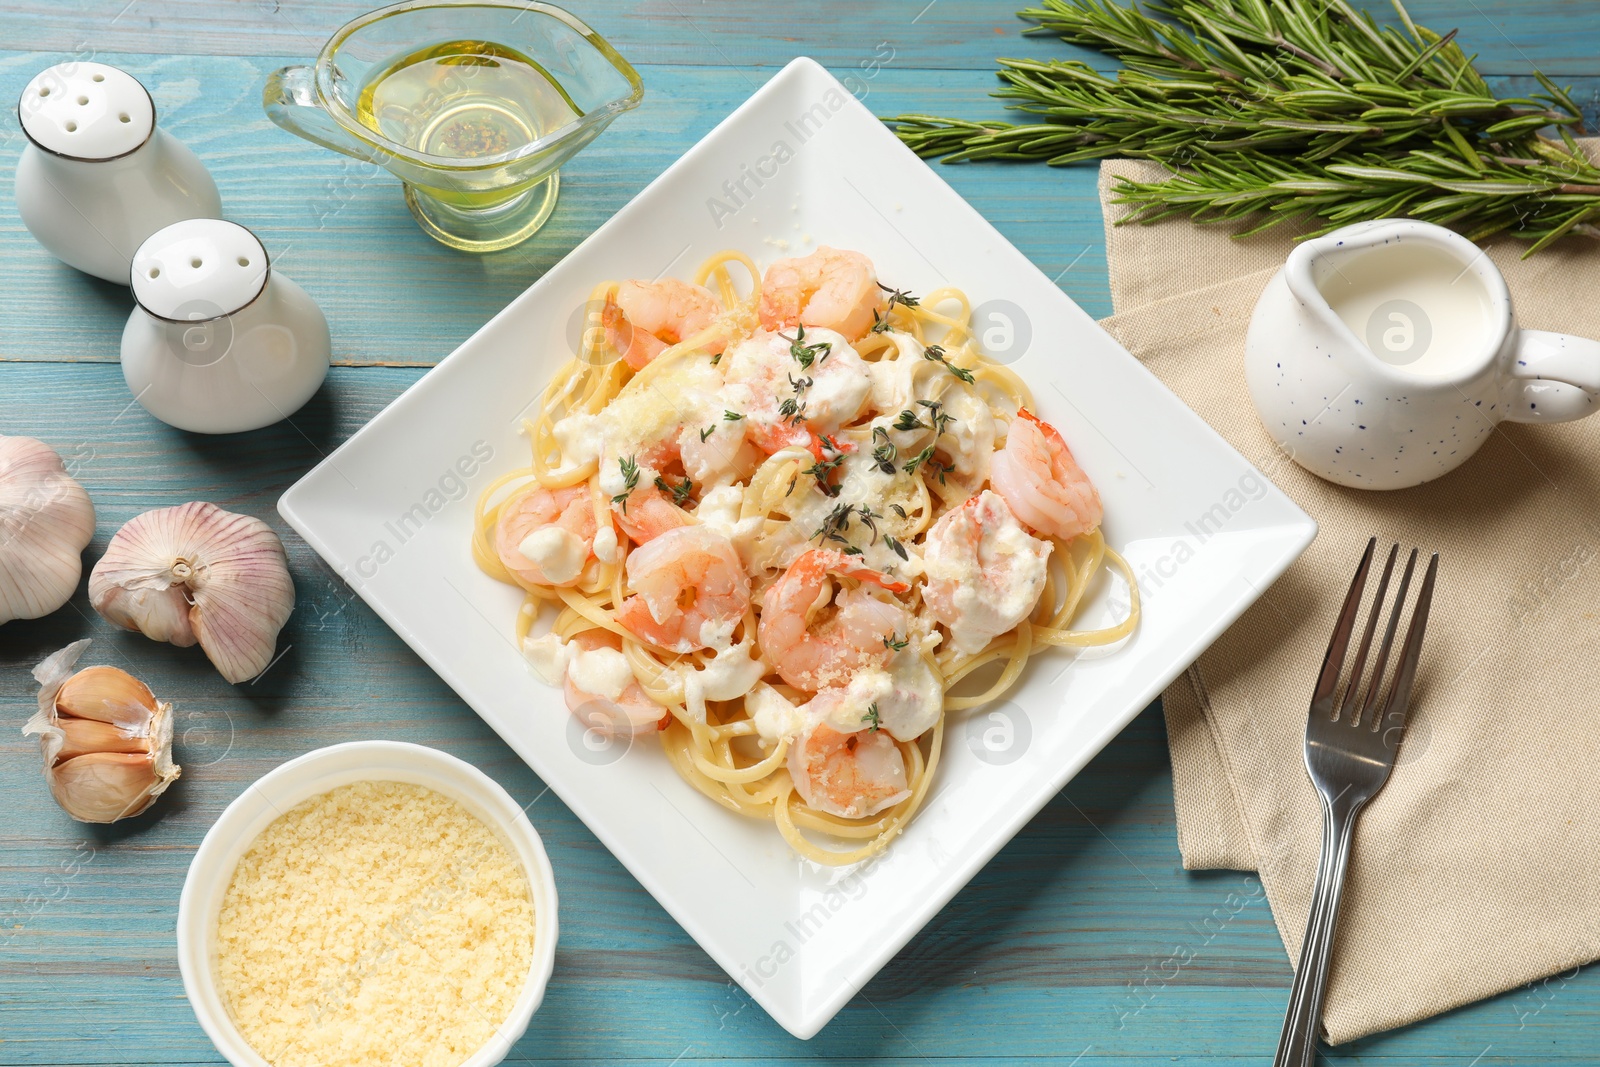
x: 377, y: 923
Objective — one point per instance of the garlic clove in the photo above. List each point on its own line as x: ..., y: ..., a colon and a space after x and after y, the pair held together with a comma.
x: 107, y: 786
x: 87, y: 735
x: 197, y: 572
x: 46, y: 521
x: 108, y: 695
x: 160, y: 614
x: 112, y: 761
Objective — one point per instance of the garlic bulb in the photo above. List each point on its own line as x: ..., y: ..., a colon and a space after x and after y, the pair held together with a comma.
x: 197, y: 573
x: 106, y: 739
x: 46, y: 521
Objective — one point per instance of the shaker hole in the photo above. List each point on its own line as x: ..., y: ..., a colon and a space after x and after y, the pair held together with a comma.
x: 243, y: 262
x: 124, y: 117
x: 72, y: 127
x: 99, y: 77
x: 155, y: 272
x: 195, y: 262
x: 83, y: 100
x: 45, y: 91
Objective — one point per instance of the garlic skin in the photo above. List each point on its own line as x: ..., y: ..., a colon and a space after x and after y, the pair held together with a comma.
x: 197, y: 573
x: 105, y: 738
x: 46, y: 521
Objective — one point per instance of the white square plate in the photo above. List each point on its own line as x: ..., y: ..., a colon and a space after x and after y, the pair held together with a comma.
x: 803, y: 161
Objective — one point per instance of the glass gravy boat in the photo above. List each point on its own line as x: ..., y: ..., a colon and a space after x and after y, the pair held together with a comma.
x: 473, y: 104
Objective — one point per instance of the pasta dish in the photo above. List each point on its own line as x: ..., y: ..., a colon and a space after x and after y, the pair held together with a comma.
x: 779, y: 519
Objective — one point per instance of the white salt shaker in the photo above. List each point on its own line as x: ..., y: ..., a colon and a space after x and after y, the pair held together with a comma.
x: 99, y: 176
x: 220, y: 342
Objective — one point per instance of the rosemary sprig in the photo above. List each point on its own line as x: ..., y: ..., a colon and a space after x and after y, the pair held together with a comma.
x: 1530, y: 198
x: 1298, y: 108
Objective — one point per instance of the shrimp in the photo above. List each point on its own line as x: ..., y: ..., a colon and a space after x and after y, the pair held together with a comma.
x: 646, y: 513
x: 602, y: 691
x: 790, y: 402
x: 985, y: 572
x: 690, y: 591
x: 851, y: 775
x: 832, y: 288
x: 645, y: 318
x: 546, y: 536
x: 1044, y: 485
x: 671, y: 428
x: 812, y: 647
x: 904, y: 698
x: 687, y: 466
x: 721, y: 453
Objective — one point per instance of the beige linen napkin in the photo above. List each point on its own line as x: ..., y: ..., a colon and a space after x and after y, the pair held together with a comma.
x: 1478, y: 868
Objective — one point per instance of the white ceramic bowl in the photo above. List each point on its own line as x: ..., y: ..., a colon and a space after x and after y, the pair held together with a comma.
x: 317, y: 772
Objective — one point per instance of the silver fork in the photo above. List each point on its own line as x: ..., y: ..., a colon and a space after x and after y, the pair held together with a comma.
x: 1350, y: 748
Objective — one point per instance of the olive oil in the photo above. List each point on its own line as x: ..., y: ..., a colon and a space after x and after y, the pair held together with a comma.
x: 463, y: 100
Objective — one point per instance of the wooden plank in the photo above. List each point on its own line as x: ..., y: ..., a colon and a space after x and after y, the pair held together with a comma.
x: 1554, y: 35
x: 1062, y: 945
x: 340, y: 228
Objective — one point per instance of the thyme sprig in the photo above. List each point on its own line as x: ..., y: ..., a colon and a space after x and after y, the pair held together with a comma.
x: 822, y: 470
x: 884, y: 453
x: 898, y: 296
x: 1297, y: 109
x: 937, y: 354
x: 835, y: 523
x: 803, y: 353
x: 940, y: 418
x: 925, y: 457
x: 907, y: 420
x: 680, y: 490
x: 630, y: 481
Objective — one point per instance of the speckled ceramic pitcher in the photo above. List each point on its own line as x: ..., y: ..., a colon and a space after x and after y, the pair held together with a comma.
x: 1383, y: 354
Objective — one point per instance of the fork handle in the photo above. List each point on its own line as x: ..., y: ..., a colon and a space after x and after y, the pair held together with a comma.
x: 1298, y: 1042
x: 1327, y: 930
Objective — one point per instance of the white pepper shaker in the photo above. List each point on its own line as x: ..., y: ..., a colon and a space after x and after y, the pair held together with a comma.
x: 98, y: 175
x: 220, y: 342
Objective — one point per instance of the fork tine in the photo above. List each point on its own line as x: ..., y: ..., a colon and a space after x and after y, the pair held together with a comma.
x: 1328, y: 680
x: 1351, y: 697
x: 1399, y: 702
x: 1388, y: 641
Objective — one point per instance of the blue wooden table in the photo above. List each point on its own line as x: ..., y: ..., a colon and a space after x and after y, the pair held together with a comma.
x: 1062, y: 950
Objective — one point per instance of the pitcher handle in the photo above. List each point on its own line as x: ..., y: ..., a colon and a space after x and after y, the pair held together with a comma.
x: 1555, y: 378
x: 291, y: 100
